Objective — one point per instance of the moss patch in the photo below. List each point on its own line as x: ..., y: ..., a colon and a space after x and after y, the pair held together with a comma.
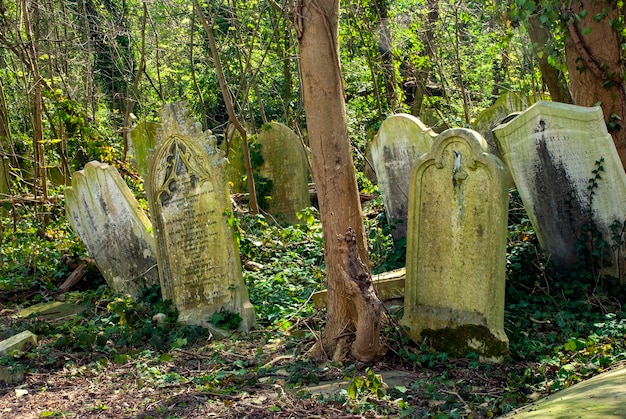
x: 462, y: 340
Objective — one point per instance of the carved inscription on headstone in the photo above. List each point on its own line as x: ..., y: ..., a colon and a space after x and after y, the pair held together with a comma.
x: 107, y: 218
x: 456, y: 248
x: 553, y: 151
x: 199, y: 261
x: 285, y: 166
x: 400, y: 141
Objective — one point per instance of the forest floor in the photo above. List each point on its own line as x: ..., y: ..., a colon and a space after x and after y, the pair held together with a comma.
x: 257, y: 376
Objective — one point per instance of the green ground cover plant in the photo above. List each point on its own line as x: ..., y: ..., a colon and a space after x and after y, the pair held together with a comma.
x: 561, y: 330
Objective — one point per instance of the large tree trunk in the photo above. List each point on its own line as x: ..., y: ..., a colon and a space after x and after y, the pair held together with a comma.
x: 595, y: 65
x: 353, y: 318
x: 554, y: 78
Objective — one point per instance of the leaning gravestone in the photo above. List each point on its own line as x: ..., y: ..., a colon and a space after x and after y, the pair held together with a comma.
x: 400, y: 141
x: 199, y: 263
x: 142, y: 139
x: 487, y: 120
x: 554, y: 151
x: 285, y: 166
x: 456, y: 248
x: 107, y: 218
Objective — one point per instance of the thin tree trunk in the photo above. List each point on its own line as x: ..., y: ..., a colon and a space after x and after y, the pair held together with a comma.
x: 353, y: 317
x: 543, y: 46
x: 254, y: 206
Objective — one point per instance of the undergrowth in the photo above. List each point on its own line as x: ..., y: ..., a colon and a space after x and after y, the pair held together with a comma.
x: 561, y: 329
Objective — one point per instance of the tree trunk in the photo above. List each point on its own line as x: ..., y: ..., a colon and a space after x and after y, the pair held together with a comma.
x: 543, y: 46
x: 595, y: 65
x: 423, y: 74
x: 353, y: 318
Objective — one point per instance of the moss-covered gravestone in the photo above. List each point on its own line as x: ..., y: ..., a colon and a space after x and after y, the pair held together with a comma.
x: 107, y: 218
x: 285, y: 172
x: 487, y: 120
x: 199, y: 263
x: 236, y: 167
x: 400, y: 141
x: 570, y: 178
x: 142, y: 140
x: 456, y: 248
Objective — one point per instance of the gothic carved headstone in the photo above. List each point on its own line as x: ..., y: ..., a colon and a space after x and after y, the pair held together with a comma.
x: 400, y: 141
x: 199, y: 262
x: 569, y: 176
x: 107, y: 218
x: 285, y: 167
x: 456, y: 248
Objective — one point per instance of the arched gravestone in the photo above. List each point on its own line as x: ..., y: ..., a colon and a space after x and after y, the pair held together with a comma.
x: 107, y: 218
x: 456, y: 248
x: 487, y: 120
x: 285, y: 165
x: 401, y: 139
x: 199, y: 264
x: 142, y: 140
x: 553, y: 151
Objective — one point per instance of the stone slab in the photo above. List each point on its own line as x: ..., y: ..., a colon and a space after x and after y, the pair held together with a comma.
x: 388, y: 286
x: 117, y: 233
x: 54, y: 312
x: 18, y: 342
x: 602, y: 396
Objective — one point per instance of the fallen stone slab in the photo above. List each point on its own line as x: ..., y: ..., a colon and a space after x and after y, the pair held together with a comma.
x: 388, y: 286
x: 55, y: 312
x: 603, y: 396
x: 18, y: 342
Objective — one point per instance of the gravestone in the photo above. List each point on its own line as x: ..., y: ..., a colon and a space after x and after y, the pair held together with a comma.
x: 401, y: 139
x: 142, y: 140
x: 553, y: 151
x: 487, y: 120
x: 236, y: 168
x: 199, y: 264
x: 285, y: 166
x: 456, y: 248
x: 107, y: 218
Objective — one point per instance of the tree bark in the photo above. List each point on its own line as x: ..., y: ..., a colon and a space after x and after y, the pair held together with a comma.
x: 543, y: 45
x: 253, y: 203
x: 353, y: 317
x: 596, y: 67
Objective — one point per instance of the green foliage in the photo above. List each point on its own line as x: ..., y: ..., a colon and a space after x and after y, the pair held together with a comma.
x: 225, y: 319
x: 290, y: 266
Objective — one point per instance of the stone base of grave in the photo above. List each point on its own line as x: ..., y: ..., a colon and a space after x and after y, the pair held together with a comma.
x: 456, y: 332
x: 388, y: 285
x: 201, y: 317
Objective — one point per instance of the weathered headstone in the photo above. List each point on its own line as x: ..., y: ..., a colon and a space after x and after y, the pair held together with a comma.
x: 199, y: 262
x: 487, y: 120
x: 107, y: 218
x: 554, y: 152
x: 401, y: 139
x: 456, y: 248
x: 236, y: 168
x: 142, y: 140
x: 285, y: 166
